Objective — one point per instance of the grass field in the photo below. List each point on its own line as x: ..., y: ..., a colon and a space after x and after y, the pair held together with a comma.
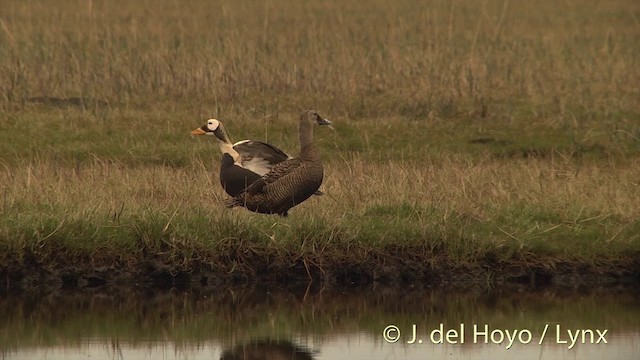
x: 491, y: 139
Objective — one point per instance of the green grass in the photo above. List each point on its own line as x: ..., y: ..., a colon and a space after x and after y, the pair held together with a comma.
x: 467, y: 135
x: 431, y: 216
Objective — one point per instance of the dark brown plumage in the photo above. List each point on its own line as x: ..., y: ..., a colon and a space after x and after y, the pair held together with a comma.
x: 290, y: 182
x: 234, y: 178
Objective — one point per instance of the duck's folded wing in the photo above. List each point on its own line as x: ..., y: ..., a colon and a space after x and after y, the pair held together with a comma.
x: 251, y: 148
x: 259, y: 157
x: 277, y: 172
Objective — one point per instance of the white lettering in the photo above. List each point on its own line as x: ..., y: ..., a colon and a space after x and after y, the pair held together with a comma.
x: 477, y: 333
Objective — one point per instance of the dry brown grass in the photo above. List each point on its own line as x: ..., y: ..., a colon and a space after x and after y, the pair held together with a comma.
x: 478, y: 188
x: 385, y: 58
x: 493, y: 201
x: 352, y: 186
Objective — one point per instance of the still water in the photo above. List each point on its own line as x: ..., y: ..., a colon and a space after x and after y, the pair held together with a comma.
x: 315, y: 323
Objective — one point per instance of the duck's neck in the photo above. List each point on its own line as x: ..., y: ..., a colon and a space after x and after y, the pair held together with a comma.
x: 306, y: 135
x: 308, y: 151
x: 227, y: 148
x: 221, y: 134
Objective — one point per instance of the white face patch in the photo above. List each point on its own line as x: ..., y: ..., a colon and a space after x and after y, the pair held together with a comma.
x: 213, y: 124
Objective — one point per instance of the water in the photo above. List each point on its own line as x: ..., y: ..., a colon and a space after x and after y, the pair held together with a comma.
x: 315, y: 323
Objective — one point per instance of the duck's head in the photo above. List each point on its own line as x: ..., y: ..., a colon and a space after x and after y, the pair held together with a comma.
x: 212, y: 127
x: 314, y: 117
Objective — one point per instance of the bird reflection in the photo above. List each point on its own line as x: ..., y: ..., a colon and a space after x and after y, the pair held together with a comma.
x: 267, y: 350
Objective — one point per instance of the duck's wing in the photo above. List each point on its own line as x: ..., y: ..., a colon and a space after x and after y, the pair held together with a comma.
x: 277, y: 172
x: 258, y: 156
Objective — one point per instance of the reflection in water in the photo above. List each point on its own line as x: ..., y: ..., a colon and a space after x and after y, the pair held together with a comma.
x: 267, y: 350
x: 244, y: 323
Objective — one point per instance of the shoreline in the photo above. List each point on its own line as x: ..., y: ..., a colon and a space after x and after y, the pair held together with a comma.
x: 385, y: 271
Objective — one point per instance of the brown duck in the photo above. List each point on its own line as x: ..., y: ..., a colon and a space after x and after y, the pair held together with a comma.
x: 290, y: 182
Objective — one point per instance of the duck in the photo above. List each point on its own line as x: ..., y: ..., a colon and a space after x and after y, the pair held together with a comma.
x: 242, y: 162
x: 291, y: 181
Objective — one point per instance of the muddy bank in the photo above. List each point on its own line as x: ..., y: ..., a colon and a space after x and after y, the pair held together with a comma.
x: 386, y: 270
